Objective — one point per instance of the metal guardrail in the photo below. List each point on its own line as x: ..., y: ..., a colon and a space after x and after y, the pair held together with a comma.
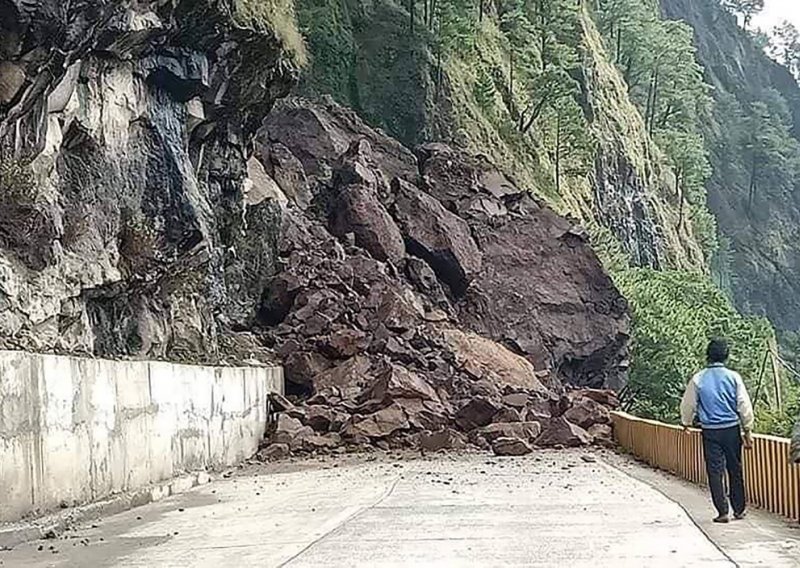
x: 772, y: 482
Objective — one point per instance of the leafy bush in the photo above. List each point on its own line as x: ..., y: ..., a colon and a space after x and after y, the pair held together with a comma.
x: 674, y: 315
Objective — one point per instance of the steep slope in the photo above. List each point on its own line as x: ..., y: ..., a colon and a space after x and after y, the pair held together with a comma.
x: 468, y: 91
x: 761, y: 266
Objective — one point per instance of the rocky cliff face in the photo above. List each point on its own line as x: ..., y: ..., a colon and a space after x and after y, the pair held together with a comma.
x: 128, y: 221
x: 764, y: 270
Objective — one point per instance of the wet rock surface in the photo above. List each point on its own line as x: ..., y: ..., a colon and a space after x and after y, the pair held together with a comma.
x: 132, y: 223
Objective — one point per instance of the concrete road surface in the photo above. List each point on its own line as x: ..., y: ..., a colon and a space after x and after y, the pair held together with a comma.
x: 550, y: 509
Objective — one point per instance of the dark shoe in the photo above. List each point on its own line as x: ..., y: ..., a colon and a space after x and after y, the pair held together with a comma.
x: 722, y: 519
x: 740, y: 516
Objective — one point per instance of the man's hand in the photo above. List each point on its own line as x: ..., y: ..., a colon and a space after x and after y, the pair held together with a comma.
x: 687, y: 429
x: 748, y: 441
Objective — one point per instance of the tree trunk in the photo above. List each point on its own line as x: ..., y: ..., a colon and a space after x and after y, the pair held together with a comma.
x: 558, y: 153
x: 411, y: 14
x: 655, y: 102
x: 752, y: 191
x: 619, y: 46
x: 511, y: 74
x: 480, y: 10
x: 679, y: 192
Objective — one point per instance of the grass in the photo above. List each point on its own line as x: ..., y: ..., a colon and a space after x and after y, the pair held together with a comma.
x: 280, y: 17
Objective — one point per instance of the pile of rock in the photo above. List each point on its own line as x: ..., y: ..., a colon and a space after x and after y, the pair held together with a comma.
x: 423, y: 300
x: 402, y: 411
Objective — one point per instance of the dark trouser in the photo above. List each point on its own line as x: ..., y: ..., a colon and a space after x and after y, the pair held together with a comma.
x: 723, y: 450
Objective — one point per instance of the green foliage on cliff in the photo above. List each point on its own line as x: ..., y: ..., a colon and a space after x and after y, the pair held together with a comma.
x: 658, y: 61
x: 277, y: 15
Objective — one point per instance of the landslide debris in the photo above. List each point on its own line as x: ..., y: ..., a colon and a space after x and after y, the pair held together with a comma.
x: 423, y: 300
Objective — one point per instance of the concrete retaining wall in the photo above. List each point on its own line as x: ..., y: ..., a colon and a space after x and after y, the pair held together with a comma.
x: 77, y: 430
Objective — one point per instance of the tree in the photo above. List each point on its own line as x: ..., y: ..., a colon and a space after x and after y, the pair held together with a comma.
x: 773, y: 155
x: 784, y: 47
x: 689, y: 160
x: 747, y: 9
x: 572, y: 142
x: 547, y: 88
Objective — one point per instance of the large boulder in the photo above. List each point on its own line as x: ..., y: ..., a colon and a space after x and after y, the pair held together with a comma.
x: 510, y: 447
x: 560, y: 432
x: 484, y: 358
x: 586, y: 413
x: 436, y: 235
x: 377, y: 425
x: 358, y: 210
x: 541, y: 288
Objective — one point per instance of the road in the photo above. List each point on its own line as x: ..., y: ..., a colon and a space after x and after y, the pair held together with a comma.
x: 549, y: 509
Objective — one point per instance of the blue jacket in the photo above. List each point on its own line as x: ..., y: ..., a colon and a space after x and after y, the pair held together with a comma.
x: 718, y: 398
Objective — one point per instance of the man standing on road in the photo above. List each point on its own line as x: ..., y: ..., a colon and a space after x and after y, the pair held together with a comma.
x: 717, y: 397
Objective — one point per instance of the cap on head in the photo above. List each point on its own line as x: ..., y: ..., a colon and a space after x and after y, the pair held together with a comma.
x: 717, y: 351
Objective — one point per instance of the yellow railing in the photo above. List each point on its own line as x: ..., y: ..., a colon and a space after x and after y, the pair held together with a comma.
x: 771, y: 480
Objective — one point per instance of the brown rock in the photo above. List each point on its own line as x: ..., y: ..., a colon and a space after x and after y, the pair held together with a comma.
x: 488, y: 359
x: 345, y: 343
x: 377, y: 425
x: 602, y: 435
x: 301, y: 367
x: 516, y: 400
x: 310, y: 442
x: 399, y: 382
x: 437, y: 236
x: 538, y: 409
x: 323, y: 418
x: 560, y: 432
x: 476, y: 413
x: 290, y: 431
x: 525, y: 430
x: 507, y: 414
x: 510, y: 447
x: 445, y: 439
x: 585, y: 413
x: 397, y: 313
x: 349, y: 377
x: 358, y: 210
x: 424, y: 414
x: 273, y: 452
x: 607, y: 398
x: 544, y: 289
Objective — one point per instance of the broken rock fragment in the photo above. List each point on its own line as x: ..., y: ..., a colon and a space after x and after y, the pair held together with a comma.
x: 510, y: 447
x: 379, y: 424
x: 585, y: 412
x: 445, y: 439
x: 561, y: 432
x: 476, y: 413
